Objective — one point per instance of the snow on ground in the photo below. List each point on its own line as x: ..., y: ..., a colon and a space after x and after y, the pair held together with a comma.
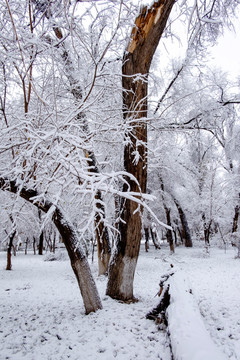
x: 42, y: 314
x: 215, y: 283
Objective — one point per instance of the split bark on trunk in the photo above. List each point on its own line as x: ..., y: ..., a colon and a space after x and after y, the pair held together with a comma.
x: 185, y: 228
x: 76, y: 253
x: 145, y: 36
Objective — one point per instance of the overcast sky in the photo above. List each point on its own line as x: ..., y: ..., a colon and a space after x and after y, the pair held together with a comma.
x: 227, y: 53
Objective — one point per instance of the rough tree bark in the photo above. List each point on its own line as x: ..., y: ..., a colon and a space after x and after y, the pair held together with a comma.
x: 185, y: 228
x: 76, y: 253
x: 145, y: 36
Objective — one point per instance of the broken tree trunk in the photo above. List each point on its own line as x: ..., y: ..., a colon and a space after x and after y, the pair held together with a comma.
x: 76, y: 253
x: 179, y: 310
x: 145, y: 36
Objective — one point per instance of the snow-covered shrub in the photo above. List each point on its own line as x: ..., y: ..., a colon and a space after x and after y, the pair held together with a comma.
x: 57, y: 256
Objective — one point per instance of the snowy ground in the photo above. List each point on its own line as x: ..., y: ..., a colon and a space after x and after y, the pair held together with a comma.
x: 42, y: 315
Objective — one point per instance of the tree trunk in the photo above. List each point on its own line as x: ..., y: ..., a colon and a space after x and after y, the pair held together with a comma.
x: 145, y: 36
x: 207, y: 229
x: 9, y: 250
x: 235, y: 219
x: 185, y: 228
x: 169, y: 232
x: 168, y: 217
x: 154, y: 238
x: 146, y: 232
x: 103, y: 241
x: 26, y: 245
x: 76, y: 253
x: 40, y: 244
x: 34, y: 245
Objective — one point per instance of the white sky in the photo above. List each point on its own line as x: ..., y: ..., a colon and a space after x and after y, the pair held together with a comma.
x: 227, y: 53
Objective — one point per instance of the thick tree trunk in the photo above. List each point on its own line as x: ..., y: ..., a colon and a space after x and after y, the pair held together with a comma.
x: 146, y: 33
x: 185, y: 228
x: 76, y: 253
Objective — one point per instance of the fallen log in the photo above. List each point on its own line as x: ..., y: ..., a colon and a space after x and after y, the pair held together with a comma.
x: 188, y: 335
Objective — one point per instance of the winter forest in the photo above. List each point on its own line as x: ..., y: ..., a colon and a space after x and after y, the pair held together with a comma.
x: 119, y: 177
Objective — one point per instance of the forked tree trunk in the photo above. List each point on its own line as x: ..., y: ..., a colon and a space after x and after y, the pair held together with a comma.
x: 76, y: 253
x: 145, y: 36
x: 185, y: 228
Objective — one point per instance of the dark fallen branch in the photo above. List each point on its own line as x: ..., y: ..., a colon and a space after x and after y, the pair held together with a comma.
x: 158, y: 313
